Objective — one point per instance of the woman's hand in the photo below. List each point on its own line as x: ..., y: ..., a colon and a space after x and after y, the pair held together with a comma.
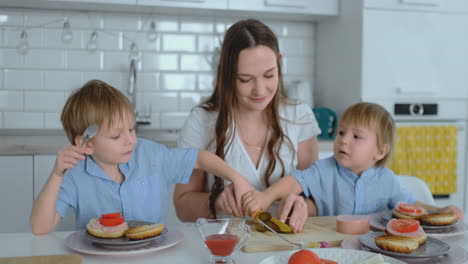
x: 453, y: 209
x: 226, y: 202
x: 68, y: 157
x: 255, y: 200
x: 295, y: 206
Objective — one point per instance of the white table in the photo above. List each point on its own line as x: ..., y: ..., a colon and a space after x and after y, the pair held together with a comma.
x: 190, y: 250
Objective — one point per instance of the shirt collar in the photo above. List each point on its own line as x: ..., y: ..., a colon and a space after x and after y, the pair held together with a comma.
x: 92, y: 168
x: 365, y: 175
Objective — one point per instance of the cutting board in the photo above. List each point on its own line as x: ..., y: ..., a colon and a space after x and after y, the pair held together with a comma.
x: 321, y: 228
x: 52, y: 259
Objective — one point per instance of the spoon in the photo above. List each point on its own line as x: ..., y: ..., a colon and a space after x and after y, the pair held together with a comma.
x: 89, y: 132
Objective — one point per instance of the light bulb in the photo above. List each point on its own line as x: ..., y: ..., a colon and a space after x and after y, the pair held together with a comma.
x: 134, y: 53
x: 92, y: 42
x: 23, y: 44
x: 152, y: 35
x: 67, y: 34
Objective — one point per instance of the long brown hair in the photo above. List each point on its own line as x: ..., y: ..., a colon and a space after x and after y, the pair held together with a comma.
x: 242, y: 35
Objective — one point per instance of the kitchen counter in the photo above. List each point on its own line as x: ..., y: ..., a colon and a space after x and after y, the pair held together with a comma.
x: 190, y: 250
x: 43, y: 142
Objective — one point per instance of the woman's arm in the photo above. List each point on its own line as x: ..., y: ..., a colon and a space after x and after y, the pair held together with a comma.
x: 190, y: 200
x: 307, y: 153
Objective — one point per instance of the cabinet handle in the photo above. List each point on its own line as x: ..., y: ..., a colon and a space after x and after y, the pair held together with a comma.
x: 421, y: 2
x: 286, y: 3
x: 189, y: 1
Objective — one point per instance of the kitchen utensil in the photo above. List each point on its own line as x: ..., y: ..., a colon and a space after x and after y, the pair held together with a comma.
x: 222, y: 237
x: 298, y: 245
x: 89, y: 132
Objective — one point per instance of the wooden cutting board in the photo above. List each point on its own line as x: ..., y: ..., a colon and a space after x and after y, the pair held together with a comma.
x: 52, y: 259
x: 322, y: 228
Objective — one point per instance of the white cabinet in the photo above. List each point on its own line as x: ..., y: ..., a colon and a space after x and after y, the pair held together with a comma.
x: 370, y: 54
x: 320, y: 7
x: 420, y: 5
x: 205, y: 4
x: 43, y: 165
x: 16, y: 188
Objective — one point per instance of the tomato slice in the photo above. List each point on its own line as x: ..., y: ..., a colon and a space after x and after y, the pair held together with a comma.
x: 110, y: 216
x: 111, y: 221
x: 408, y: 208
x: 405, y: 225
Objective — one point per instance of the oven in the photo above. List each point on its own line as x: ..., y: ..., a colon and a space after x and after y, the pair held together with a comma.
x: 429, y: 131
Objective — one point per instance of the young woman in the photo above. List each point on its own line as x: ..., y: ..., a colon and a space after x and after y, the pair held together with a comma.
x: 250, y: 123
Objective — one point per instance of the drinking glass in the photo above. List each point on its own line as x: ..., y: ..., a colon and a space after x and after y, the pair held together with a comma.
x: 223, y: 237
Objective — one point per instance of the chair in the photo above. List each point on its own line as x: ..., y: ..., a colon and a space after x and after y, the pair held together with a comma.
x: 418, y: 188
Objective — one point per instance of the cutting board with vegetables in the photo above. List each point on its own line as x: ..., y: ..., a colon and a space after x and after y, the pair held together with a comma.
x: 316, y: 229
x: 51, y: 259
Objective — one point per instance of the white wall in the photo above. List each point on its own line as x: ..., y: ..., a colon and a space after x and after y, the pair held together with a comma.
x: 174, y: 72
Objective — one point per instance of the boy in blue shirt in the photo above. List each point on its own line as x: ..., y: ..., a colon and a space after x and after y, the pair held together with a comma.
x: 353, y: 181
x: 115, y: 171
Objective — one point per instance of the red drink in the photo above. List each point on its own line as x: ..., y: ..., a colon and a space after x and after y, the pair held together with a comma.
x: 221, y: 244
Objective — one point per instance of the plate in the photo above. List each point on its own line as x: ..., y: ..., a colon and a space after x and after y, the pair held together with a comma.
x: 387, y: 215
x: 77, y: 242
x: 379, y: 223
x: 123, y: 241
x: 456, y: 255
x: 336, y: 254
x: 431, y: 248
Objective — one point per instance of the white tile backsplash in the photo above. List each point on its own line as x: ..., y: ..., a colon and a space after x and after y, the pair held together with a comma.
x: 174, y: 72
x: 23, y: 80
x: 11, y: 101
x: 177, y: 81
x: 182, y: 42
x: 44, y: 101
x: 201, y: 63
x: 23, y: 120
x: 44, y: 59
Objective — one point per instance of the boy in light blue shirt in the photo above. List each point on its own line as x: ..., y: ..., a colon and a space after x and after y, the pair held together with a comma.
x: 354, y: 180
x: 115, y: 171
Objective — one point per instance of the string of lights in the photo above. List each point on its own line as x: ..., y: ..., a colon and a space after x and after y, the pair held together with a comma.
x: 92, y: 43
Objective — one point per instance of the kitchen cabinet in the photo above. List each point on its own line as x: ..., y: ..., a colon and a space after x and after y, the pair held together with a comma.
x: 369, y: 54
x: 419, y: 5
x: 320, y: 7
x: 205, y: 4
x: 16, y: 188
x: 43, y: 165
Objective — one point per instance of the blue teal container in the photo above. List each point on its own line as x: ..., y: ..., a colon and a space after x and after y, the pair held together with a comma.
x: 327, y: 121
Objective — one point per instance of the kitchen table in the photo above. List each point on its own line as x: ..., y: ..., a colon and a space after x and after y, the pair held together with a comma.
x: 190, y: 250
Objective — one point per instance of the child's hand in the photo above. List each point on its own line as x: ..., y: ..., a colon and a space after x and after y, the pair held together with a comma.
x: 68, y: 157
x: 295, y: 206
x: 453, y: 209
x: 255, y: 200
x: 241, y: 187
x: 226, y: 202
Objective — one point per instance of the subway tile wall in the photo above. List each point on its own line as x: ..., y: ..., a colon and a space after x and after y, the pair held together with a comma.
x: 175, y: 72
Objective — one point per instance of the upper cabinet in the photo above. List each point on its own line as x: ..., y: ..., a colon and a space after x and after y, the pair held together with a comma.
x: 378, y: 53
x: 419, y: 5
x: 202, y: 4
x: 319, y: 7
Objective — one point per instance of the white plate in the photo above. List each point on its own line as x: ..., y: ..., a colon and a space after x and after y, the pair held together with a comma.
x: 339, y: 255
x: 456, y: 255
x: 431, y: 248
x: 387, y: 215
x: 76, y: 242
x: 377, y: 222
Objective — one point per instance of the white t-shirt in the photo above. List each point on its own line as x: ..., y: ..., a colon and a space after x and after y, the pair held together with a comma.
x: 298, y: 123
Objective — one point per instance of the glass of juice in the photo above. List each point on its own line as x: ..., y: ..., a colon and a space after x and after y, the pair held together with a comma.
x: 223, y: 237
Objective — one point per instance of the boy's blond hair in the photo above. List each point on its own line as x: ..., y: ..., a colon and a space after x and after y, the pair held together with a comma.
x: 96, y: 102
x: 375, y: 117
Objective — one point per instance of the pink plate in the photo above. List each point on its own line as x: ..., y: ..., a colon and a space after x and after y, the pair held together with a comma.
x: 78, y: 243
x: 456, y: 255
